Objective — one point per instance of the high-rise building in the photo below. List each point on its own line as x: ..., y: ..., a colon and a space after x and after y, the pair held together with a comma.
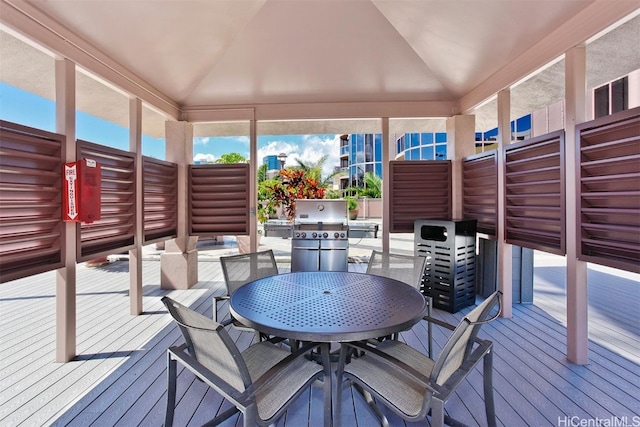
x: 361, y: 153
x: 273, y: 165
x: 422, y: 146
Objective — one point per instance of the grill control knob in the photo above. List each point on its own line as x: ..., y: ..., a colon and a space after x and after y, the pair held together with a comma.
x: 325, y: 235
x: 314, y: 235
x: 297, y: 234
x: 342, y: 235
x: 304, y: 235
x: 336, y: 235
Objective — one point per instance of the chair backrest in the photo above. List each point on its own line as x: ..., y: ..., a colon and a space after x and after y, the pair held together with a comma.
x: 459, y: 346
x: 406, y: 268
x: 238, y: 270
x: 210, y: 344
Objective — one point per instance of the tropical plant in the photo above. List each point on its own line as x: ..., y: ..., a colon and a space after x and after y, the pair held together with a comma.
x: 351, y: 192
x: 262, y: 173
x: 372, y: 186
x: 230, y: 158
x: 332, y: 194
x: 290, y: 185
x: 266, y: 205
x: 352, y: 202
x: 314, y: 170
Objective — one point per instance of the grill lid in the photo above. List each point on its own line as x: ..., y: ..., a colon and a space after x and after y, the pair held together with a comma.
x: 328, y: 211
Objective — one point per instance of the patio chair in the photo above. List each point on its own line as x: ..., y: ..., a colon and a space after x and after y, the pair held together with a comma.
x: 238, y: 270
x: 261, y: 382
x: 412, y: 384
x: 405, y: 268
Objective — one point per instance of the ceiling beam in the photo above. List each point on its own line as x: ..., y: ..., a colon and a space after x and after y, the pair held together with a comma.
x: 326, y: 111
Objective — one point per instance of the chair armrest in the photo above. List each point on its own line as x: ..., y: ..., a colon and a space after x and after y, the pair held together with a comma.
x: 392, y: 361
x: 439, y: 322
x: 433, y: 321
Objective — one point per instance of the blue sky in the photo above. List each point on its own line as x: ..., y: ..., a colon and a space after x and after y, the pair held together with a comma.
x: 307, y: 148
x: 31, y: 110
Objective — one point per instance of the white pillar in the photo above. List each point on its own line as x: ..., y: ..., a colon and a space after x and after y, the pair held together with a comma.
x: 386, y: 184
x: 179, y: 262
x: 65, y: 76
x: 575, y: 113
x: 253, y: 186
x: 505, y: 250
x: 135, y: 254
x: 461, y: 143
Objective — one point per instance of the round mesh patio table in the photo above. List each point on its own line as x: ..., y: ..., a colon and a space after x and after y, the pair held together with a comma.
x: 326, y: 307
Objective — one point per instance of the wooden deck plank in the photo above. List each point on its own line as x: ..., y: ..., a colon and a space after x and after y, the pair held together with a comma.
x: 601, y: 372
x: 119, y: 377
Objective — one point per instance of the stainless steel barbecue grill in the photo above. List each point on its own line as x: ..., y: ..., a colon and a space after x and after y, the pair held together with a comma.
x: 320, y: 239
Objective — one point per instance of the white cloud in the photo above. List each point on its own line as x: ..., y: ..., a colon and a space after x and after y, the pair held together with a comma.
x: 243, y: 139
x: 315, y: 147
x: 307, y: 148
x: 204, y: 158
x: 274, y: 148
x: 204, y: 140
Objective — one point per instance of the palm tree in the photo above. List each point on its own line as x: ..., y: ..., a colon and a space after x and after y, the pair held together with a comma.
x: 230, y: 158
x: 314, y: 170
x: 262, y: 173
x: 372, y: 186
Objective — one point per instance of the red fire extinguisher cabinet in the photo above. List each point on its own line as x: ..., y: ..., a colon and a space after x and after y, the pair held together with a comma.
x: 81, y: 191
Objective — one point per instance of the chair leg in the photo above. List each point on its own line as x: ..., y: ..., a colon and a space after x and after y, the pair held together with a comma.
x: 430, y: 327
x: 249, y: 415
x: 437, y: 413
x: 171, y: 390
x: 488, y: 388
x: 384, y: 422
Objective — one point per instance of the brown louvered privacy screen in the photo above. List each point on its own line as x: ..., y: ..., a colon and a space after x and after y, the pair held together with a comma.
x: 160, y: 199
x: 30, y: 185
x: 115, y: 232
x: 419, y: 190
x: 480, y: 190
x: 609, y: 221
x: 219, y: 199
x: 535, y: 193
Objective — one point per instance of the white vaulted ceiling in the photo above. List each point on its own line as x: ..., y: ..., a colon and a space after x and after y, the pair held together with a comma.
x: 230, y: 53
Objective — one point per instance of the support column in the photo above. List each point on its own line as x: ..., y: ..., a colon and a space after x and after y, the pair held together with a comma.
x: 135, y: 254
x: 65, y: 75
x: 575, y: 107
x: 387, y: 155
x: 505, y: 250
x: 253, y: 186
x: 179, y: 262
x: 461, y: 143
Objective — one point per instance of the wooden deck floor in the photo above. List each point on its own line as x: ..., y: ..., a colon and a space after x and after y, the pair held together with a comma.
x: 119, y: 376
